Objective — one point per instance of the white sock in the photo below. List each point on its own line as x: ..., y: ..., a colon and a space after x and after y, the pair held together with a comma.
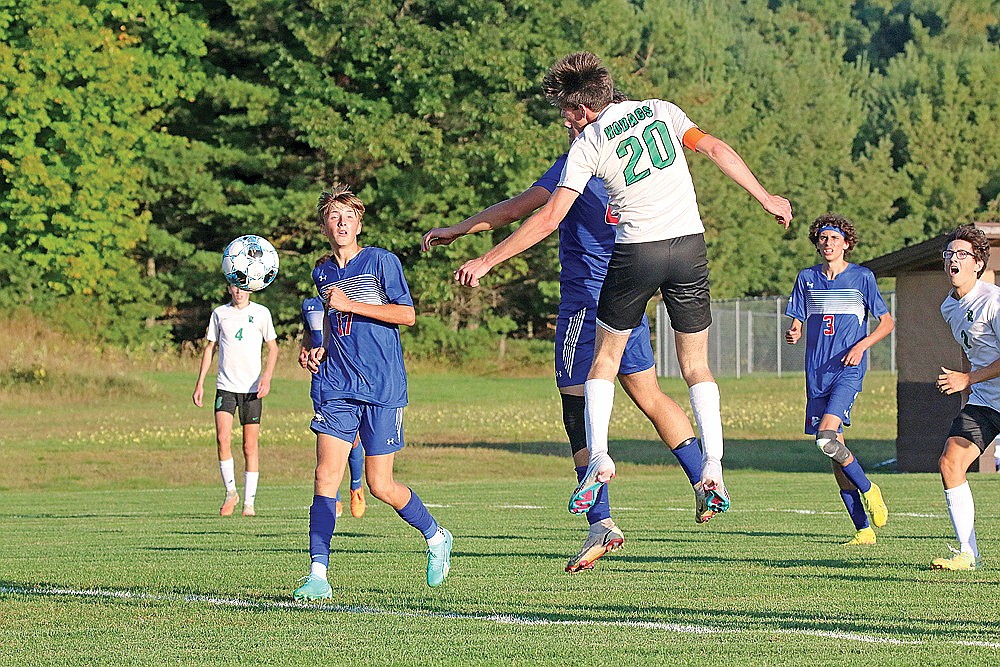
x: 705, y: 403
x: 318, y: 570
x: 437, y: 538
x: 599, y: 397
x: 962, y: 510
x: 228, y: 474
x: 250, y: 487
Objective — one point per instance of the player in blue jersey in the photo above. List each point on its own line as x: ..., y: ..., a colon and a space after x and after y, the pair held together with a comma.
x: 362, y: 386
x: 313, y: 314
x: 586, y: 238
x: 834, y: 299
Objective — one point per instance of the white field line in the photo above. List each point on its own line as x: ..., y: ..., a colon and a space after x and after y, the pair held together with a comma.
x: 504, y: 619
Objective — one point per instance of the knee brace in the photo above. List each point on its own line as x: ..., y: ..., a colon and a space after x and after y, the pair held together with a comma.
x: 574, y: 419
x: 827, y: 443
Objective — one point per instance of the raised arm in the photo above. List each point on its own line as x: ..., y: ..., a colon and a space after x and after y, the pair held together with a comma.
x: 733, y: 166
x: 496, y: 216
x: 534, y: 229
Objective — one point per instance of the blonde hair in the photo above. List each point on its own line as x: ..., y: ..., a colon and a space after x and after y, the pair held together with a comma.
x: 338, y: 194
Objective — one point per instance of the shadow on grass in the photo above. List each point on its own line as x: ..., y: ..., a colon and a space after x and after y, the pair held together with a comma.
x: 741, y: 454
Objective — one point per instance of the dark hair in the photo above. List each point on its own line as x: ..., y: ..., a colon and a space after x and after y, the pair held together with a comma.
x: 835, y: 220
x: 579, y: 79
x: 338, y: 194
x: 977, y: 239
x: 322, y: 260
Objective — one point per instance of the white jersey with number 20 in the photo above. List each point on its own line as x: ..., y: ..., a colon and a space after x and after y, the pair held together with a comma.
x: 636, y: 149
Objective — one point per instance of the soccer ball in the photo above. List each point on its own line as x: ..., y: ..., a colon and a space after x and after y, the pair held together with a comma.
x: 250, y: 263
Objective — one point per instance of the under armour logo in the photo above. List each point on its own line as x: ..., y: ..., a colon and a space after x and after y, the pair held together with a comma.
x: 809, y: 284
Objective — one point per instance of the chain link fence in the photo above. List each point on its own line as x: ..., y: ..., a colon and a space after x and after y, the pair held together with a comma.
x: 748, y: 336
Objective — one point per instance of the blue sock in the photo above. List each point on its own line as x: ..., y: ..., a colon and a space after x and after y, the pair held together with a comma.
x: 416, y: 514
x: 322, y: 521
x: 689, y: 455
x: 852, y: 501
x: 356, y: 462
x: 602, y: 506
x: 857, y: 476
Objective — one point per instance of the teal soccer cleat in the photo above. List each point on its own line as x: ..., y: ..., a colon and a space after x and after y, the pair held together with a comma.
x: 439, y: 561
x: 314, y: 588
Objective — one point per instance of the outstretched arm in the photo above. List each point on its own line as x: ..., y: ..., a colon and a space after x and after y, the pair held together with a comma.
x: 496, y: 216
x: 733, y: 166
x: 534, y: 229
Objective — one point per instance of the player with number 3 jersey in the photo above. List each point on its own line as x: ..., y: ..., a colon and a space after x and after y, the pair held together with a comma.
x: 833, y: 300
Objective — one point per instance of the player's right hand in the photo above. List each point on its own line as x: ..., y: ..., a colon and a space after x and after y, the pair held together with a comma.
x: 437, y: 236
x: 780, y: 208
x: 469, y: 273
x: 197, y: 396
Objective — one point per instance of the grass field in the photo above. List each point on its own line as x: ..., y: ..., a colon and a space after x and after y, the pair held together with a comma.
x: 113, y: 553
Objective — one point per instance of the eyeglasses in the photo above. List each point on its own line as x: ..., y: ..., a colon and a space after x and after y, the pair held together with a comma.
x: 961, y: 254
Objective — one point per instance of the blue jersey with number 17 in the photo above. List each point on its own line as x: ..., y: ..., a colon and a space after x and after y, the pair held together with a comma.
x: 364, y: 358
x: 835, y: 315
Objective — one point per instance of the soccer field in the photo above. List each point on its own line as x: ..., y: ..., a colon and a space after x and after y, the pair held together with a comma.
x: 113, y: 552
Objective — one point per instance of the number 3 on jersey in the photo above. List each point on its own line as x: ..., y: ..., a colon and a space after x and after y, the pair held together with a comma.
x: 344, y: 323
x: 828, y: 325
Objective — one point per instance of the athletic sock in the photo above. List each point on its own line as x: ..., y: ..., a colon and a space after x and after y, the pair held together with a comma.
x: 857, y: 476
x: 599, y: 397
x: 322, y: 522
x: 688, y: 454
x: 705, y: 403
x: 250, y: 487
x: 962, y: 509
x: 318, y: 569
x: 437, y: 538
x: 856, y: 510
x: 356, y: 463
x: 601, y: 509
x: 415, y: 513
x: 228, y: 471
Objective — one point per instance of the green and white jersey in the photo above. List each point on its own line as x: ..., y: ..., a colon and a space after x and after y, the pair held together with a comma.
x: 975, y: 323
x: 636, y: 149
x: 240, y: 332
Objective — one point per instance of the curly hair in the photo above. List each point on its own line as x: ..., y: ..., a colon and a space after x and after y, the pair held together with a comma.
x: 838, y: 221
x: 338, y: 194
x: 579, y: 79
x: 977, y: 239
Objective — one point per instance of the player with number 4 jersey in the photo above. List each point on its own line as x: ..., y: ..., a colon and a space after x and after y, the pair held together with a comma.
x: 833, y: 300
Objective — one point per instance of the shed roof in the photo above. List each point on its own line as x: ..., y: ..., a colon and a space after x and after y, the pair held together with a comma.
x: 926, y: 255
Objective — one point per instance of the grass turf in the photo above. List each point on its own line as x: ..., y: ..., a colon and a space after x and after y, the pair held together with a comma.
x: 114, y: 553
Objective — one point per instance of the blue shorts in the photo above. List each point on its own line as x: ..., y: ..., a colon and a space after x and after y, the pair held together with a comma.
x: 838, y: 402
x: 380, y: 429
x: 575, y: 331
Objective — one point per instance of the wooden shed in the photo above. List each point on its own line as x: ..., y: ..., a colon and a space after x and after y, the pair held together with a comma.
x: 923, y: 345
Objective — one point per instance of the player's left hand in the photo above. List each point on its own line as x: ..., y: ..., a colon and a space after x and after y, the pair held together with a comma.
x: 263, y: 387
x: 469, y: 273
x: 780, y: 208
x: 336, y: 299
x: 952, y: 382
x: 854, y: 356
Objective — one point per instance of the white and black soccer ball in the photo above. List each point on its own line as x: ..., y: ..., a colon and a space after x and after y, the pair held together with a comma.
x: 250, y: 262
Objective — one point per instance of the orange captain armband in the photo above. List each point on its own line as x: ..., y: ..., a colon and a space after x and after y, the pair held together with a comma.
x: 692, y: 137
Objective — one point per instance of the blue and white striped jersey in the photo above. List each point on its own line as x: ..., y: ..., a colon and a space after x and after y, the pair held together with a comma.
x: 835, y: 315
x: 364, y: 359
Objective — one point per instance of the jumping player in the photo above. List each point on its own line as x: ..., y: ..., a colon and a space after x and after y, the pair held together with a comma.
x: 972, y: 310
x: 238, y: 329
x: 586, y: 238
x: 833, y: 299
x: 635, y: 148
x: 362, y: 386
x: 313, y: 315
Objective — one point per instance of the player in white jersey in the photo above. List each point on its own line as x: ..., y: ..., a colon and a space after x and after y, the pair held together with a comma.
x: 972, y: 310
x: 636, y: 149
x: 239, y: 329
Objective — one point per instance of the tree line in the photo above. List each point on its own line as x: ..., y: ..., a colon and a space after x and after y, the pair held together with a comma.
x: 138, y: 137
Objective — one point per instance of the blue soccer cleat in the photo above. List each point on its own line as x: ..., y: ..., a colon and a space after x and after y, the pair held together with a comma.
x: 439, y: 560
x: 314, y: 588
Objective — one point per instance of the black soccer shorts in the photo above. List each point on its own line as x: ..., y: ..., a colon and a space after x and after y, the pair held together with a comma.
x: 250, y: 406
